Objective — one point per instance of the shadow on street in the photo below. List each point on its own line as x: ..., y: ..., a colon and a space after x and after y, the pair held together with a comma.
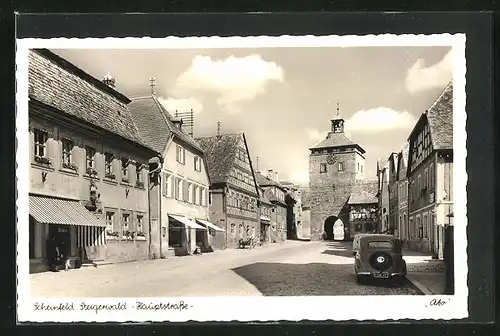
x: 283, y: 279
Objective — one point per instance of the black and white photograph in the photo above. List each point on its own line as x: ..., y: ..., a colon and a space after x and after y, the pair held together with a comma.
x: 270, y: 171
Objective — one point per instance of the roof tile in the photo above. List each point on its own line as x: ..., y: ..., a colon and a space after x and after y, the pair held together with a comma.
x: 220, y: 152
x: 54, y: 82
x: 440, y: 118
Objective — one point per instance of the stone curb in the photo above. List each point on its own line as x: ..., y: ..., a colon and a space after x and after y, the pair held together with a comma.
x: 421, y: 288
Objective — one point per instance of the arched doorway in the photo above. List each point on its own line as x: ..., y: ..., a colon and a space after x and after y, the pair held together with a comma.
x: 334, y: 228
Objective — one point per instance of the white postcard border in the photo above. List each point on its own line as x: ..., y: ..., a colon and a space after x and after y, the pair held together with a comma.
x: 312, y: 308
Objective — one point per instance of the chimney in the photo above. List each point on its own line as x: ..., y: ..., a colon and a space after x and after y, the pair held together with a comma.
x: 177, y: 123
x: 270, y: 174
x: 276, y: 177
x: 109, y: 80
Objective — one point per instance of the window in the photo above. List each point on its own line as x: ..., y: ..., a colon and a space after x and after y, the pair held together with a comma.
x: 431, y: 176
x: 67, y: 148
x: 193, y: 194
x: 322, y: 167
x: 125, y: 222
x: 125, y: 177
x: 108, y: 165
x: 178, y: 186
x: 89, y: 158
x: 341, y: 166
x: 109, y: 221
x: 197, y: 163
x: 167, y: 191
x: 358, y: 167
x: 41, y: 138
x: 139, y: 223
x: 190, y: 192
x: 419, y: 184
x: 426, y: 177
x: 138, y: 175
x: 181, y: 154
x: 202, y: 197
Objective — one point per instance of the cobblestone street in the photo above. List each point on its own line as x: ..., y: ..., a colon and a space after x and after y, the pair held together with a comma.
x: 290, y: 268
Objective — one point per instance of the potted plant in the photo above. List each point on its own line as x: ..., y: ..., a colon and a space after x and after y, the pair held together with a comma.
x: 129, y: 234
x: 139, y: 184
x: 43, y: 160
x: 71, y: 166
x: 112, y: 233
x: 110, y: 175
x: 91, y: 171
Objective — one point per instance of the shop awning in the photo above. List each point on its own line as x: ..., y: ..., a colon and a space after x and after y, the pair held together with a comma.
x: 210, y: 225
x: 189, y: 223
x: 49, y: 210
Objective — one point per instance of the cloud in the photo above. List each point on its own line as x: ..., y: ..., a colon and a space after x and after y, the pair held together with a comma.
x: 233, y: 80
x: 420, y: 77
x: 315, y: 135
x: 181, y: 104
x: 380, y: 119
x: 300, y: 177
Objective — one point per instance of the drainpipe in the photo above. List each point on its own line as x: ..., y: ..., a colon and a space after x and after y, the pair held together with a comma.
x: 159, y: 215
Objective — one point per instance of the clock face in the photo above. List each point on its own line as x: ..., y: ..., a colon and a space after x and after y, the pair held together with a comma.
x: 331, y: 158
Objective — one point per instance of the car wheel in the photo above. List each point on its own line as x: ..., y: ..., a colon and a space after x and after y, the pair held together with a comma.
x: 359, y: 279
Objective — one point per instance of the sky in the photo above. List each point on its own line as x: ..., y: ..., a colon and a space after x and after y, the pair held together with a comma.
x: 284, y: 98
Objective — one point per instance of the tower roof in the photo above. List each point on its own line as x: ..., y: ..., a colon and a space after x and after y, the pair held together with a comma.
x: 334, y: 140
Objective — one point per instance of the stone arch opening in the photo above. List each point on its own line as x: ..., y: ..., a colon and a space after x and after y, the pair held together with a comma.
x: 334, y: 228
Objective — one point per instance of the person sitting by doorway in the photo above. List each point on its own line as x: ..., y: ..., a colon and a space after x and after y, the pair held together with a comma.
x: 53, y: 254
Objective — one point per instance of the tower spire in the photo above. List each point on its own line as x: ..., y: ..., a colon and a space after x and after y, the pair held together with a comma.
x: 152, y: 84
x: 218, y: 128
x: 338, y: 110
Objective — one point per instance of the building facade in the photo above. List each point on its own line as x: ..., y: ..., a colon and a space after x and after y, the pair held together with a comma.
x: 276, y: 193
x: 233, y: 190
x: 383, y: 195
x: 392, y: 186
x: 294, y: 215
x: 89, y: 167
x: 403, y: 225
x: 182, y: 197
x: 267, y: 217
x: 430, y: 175
x: 335, y: 165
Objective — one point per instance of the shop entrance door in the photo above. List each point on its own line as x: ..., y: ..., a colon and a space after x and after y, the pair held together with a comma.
x: 62, y: 238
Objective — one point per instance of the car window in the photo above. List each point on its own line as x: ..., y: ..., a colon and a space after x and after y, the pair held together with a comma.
x: 380, y: 244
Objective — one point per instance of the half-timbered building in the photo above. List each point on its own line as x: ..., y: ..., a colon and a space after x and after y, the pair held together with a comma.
x: 233, y: 190
x: 430, y: 174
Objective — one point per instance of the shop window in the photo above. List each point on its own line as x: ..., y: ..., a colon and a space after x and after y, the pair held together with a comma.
x: 109, y: 221
x: 341, y: 166
x: 322, y: 167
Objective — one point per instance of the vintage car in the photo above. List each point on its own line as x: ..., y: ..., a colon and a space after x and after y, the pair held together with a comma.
x: 355, y: 242
x: 379, y: 256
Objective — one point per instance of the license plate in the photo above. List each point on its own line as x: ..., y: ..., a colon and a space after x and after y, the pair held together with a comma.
x: 383, y: 275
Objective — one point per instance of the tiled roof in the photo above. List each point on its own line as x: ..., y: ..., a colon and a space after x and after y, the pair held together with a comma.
x: 403, y: 158
x: 156, y: 125
x: 440, y: 117
x: 56, y: 82
x: 364, y: 192
x: 362, y: 198
x: 220, y: 152
x: 263, y: 197
x: 336, y: 140
x: 265, y: 181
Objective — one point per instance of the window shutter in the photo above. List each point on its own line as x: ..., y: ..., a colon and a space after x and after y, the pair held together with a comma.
x: 185, y: 191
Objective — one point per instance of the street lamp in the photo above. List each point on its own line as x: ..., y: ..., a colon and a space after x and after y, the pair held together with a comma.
x: 449, y: 256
